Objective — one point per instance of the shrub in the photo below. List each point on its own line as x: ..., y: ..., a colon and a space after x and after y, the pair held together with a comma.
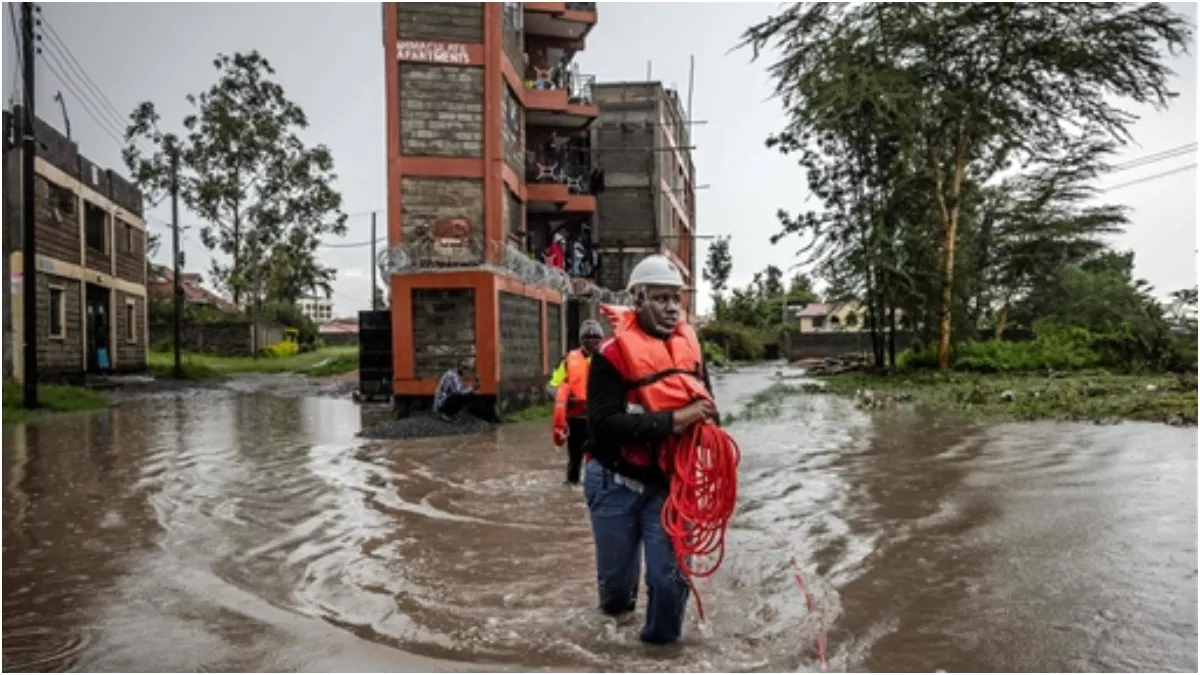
x: 165, y: 346
x: 741, y: 343
x: 281, y: 349
x: 713, y: 353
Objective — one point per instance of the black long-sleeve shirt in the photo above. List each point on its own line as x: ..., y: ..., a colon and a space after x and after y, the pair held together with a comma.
x: 612, y: 427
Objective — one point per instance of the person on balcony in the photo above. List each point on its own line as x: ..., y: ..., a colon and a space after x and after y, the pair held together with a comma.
x: 452, y: 394
x: 556, y: 252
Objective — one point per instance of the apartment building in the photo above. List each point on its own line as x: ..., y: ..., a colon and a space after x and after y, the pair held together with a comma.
x: 489, y: 157
x: 316, y: 307
x: 643, y: 140
x: 91, y: 261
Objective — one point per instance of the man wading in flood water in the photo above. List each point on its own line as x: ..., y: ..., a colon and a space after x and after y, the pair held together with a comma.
x: 570, y: 398
x: 625, y: 485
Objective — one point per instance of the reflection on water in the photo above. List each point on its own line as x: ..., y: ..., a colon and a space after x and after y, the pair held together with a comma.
x: 226, y: 530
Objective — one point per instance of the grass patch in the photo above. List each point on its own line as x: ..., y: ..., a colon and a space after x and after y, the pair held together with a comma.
x: 55, y: 398
x: 207, y: 366
x: 1085, y: 396
x: 541, y: 411
x: 334, y: 365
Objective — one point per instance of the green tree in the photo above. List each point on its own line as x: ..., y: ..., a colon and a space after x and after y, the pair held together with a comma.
x: 265, y: 196
x: 969, y: 88
x: 717, y: 268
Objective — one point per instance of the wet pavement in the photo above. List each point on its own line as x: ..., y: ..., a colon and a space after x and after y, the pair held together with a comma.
x: 226, y: 529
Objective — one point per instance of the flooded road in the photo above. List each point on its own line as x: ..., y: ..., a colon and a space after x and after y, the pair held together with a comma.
x: 227, y: 530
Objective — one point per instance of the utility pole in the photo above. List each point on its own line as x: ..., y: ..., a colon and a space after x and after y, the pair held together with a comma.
x: 371, y: 269
x: 173, y: 150
x: 28, y: 211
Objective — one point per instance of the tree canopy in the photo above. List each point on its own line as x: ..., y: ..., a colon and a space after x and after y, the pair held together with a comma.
x: 265, y: 198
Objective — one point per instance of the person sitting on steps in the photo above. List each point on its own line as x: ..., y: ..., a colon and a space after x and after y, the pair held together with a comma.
x: 452, y: 394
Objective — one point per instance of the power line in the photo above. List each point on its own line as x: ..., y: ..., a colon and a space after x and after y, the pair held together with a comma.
x: 1154, y: 158
x: 85, y: 102
x: 78, y: 68
x: 1150, y: 178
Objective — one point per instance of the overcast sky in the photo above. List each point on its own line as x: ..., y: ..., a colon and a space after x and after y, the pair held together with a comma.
x: 329, y: 58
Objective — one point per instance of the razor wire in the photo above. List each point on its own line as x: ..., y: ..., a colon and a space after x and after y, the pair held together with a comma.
x: 506, y: 258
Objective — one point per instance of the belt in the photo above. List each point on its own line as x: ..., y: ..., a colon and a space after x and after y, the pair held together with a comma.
x: 628, y: 483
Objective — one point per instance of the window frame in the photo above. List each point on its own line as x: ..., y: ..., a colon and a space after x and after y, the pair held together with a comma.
x: 130, y: 321
x: 61, y: 289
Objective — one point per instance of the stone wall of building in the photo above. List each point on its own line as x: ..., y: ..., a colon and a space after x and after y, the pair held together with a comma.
x: 130, y: 246
x: 443, y: 324
x: 441, y: 110
x: 129, y: 312
x: 522, y: 371
x: 432, y: 209
x: 226, y: 339
x: 556, y: 344
x: 440, y: 21
x: 59, y: 356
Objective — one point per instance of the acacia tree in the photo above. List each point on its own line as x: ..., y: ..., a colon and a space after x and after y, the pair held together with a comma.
x: 717, y: 267
x: 975, y: 87
x: 265, y: 196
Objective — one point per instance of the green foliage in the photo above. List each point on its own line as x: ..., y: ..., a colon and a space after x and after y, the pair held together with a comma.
x: 1085, y: 396
x: 287, y: 314
x: 740, y: 342
x: 1060, y: 347
x: 714, y: 354
x: 280, y: 350
x: 228, y: 365
x: 265, y: 197
x: 903, y: 114
x: 717, y: 268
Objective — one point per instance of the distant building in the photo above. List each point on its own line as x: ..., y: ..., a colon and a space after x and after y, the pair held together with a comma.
x: 648, y: 204
x: 340, y: 331
x: 850, y: 316
x: 91, y: 261
x: 317, y: 308
x: 161, y: 284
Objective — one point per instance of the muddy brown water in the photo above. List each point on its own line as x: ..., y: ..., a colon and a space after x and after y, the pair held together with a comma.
x: 234, y: 530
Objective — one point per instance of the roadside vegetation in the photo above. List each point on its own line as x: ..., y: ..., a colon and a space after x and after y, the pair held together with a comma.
x: 54, y: 398
x: 318, y: 363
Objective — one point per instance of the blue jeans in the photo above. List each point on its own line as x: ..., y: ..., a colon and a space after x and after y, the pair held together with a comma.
x: 623, y: 523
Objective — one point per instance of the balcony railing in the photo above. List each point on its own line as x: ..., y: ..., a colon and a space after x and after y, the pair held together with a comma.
x: 569, y: 165
x: 561, y: 77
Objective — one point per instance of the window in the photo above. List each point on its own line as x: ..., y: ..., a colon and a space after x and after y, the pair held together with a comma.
x: 58, y: 312
x: 130, y: 321
x: 62, y: 202
x: 127, y: 237
x: 96, y: 223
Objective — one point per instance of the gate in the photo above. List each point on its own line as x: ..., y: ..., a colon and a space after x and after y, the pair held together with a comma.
x: 375, y: 355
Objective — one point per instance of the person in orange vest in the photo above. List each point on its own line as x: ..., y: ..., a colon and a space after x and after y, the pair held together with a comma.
x: 570, y: 398
x: 647, y: 385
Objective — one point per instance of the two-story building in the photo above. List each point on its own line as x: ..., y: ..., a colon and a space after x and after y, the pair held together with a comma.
x: 90, y: 278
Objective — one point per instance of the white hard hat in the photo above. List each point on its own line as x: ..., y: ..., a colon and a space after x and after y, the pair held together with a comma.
x: 655, y: 270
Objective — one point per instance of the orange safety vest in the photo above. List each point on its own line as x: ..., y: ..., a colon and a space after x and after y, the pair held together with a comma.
x: 570, y: 400
x: 662, y: 374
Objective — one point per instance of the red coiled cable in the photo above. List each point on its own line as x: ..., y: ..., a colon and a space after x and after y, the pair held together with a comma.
x: 702, y: 498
